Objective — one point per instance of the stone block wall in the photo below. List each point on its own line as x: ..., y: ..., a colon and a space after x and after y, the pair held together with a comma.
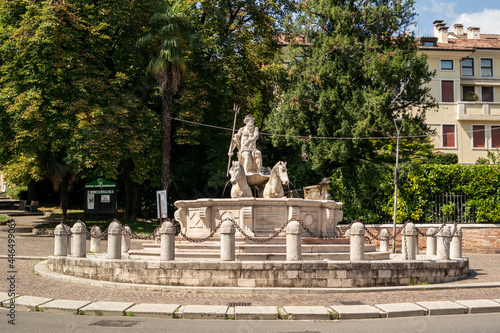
x: 477, y: 238
x: 303, y: 274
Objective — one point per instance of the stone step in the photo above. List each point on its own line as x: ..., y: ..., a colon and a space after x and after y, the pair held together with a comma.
x: 277, y: 240
x: 258, y: 256
x: 260, y: 248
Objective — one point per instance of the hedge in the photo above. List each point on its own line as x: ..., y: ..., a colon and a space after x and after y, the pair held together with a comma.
x: 367, y: 191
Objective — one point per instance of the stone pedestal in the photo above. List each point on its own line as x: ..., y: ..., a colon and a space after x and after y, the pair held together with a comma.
x: 357, y: 241
x: 167, y: 232
x: 431, y: 242
x: 95, y: 239
x: 384, y: 240
x: 115, y: 240
x: 443, y: 244
x: 227, y: 241
x: 78, y: 246
x: 60, y: 241
x: 293, y: 241
x: 126, y: 233
x: 456, y: 244
x: 411, y: 237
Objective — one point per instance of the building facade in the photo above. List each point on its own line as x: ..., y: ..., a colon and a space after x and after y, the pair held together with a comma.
x: 467, y: 89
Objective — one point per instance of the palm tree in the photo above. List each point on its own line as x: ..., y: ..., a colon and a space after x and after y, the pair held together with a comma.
x: 169, y: 35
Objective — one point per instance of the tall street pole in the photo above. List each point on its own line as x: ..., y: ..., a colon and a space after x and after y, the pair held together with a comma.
x: 398, y: 123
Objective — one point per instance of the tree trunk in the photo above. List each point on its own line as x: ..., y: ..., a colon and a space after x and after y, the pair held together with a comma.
x: 166, y: 98
x: 32, y: 195
x: 132, y: 193
x: 64, y: 194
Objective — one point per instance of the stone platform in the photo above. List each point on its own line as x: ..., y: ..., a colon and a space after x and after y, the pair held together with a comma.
x: 295, y: 274
x: 312, y: 249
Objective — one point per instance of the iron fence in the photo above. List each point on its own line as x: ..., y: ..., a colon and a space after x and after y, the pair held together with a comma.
x: 440, y: 208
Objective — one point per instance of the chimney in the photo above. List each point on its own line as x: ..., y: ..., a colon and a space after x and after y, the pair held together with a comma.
x: 442, y: 34
x: 437, y: 23
x: 459, y: 29
x: 473, y: 33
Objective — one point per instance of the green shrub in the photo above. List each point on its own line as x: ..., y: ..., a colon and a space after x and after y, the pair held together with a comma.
x: 471, y: 96
x: 367, y: 192
x: 445, y: 159
x: 18, y: 193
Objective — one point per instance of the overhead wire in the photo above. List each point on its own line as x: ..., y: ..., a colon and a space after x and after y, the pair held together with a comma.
x: 309, y: 137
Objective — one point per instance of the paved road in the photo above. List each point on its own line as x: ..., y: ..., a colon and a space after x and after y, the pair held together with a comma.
x: 485, y: 268
x: 48, y: 322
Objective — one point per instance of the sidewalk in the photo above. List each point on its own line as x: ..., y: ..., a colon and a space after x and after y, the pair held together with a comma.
x: 483, y: 284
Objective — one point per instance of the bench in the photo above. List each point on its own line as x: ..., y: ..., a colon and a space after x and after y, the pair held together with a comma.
x: 33, y: 207
x: 21, y: 205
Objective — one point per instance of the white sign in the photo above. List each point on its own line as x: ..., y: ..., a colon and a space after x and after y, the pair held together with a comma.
x: 90, y: 201
x: 161, y: 204
x: 105, y: 198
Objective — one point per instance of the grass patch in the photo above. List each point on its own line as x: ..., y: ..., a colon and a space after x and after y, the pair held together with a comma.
x: 98, y: 312
x: 417, y: 282
x: 79, y: 313
x: 129, y: 314
x: 3, y: 218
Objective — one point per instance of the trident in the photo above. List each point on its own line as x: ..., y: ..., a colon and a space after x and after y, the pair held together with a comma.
x: 236, y: 110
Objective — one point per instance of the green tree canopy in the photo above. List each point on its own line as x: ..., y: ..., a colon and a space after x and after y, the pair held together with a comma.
x: 349, y: 70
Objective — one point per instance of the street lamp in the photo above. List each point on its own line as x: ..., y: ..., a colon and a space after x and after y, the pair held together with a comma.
x: 398, y: 122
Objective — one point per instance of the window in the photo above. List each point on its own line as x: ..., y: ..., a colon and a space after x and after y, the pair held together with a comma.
x: 487, y: 94
x: 428, y: 44
x: 478, y: 136
x: 468, y: 67
x: 447, y: 91
x: 465, y: 90
x: 446, y: 65
x: 495, y: 136
x: 449, y: 136
x: 486, y: 67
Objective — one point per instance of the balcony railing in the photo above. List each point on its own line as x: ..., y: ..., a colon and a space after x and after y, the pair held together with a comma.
x: 479, y: 111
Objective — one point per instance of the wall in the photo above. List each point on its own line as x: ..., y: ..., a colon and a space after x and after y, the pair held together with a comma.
x: 477, y: 238
x: 300, y: 274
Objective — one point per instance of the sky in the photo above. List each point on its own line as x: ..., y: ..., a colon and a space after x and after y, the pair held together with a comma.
x: 484, y: 14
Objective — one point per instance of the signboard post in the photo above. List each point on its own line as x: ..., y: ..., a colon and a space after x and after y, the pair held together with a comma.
x: 161, y: 204
x: 100, y: 197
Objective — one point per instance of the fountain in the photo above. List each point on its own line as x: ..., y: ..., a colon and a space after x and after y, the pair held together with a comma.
x: 264, y: 241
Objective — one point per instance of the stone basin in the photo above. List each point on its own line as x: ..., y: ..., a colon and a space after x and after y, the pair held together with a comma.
x: 258, y: 217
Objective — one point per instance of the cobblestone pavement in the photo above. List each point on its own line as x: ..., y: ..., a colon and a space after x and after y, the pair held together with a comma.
x: 484, y: 267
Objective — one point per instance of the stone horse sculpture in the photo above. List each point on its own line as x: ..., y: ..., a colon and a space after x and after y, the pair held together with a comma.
x: 278, y: 178
x: 240, y: 188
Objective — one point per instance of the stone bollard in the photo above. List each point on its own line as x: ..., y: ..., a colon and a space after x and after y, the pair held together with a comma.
x: 167, y: 232
x: 357, y: 241
x: 431, y: 242
x: 78, y: 246
x: 227, y: 241
x: 114, y: 240
x: 293, y: 241
x: 411, y: 241
x: 456, y: 244
x: 443, y: 244
x: 95, y: 239
x: 60, y: 241
x: 68, y: 241
x: 347, y: 234
x: 126, y: 233
x: 384, y: 240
